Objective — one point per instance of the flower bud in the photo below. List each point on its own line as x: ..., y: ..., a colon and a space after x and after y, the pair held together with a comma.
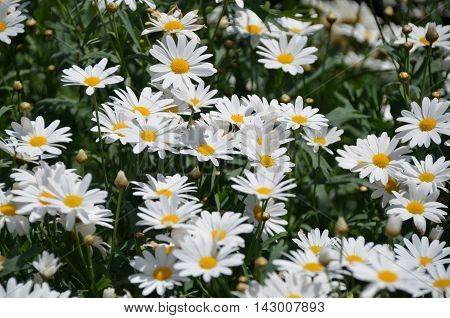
x: 393, y: 226
x: 307, y: 68
x: 81, y: 157
x: 195, y: 173
x: 121, y: 181
x: 228, y: 44
x: 309, y: 101
x: 331, y: 18
x: 285, y: 98
x: 389, y: 11
x: 265, y: 216
x: 341, y: 226
x: 408, y: 45
x: 325, y: 257
x: 436, y: 233
x: 436, y: 94
x: 30, y: 23
x: 403, y: 76
x: 89, y: 239
x: 241, y: 287
x: 406, y: 29
x: 431, y: 36
x: 51, y: 68
x: 112, y: 7
x: 363, y: 189
x: 243, y: 279
x: 17, y: 86
x: 25, y: 107
x: 48, y: 33
x: 109, y: 292
x: 261, y: 262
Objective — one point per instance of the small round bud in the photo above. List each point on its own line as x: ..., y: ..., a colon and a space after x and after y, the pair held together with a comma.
x: 81, y: 156
x: 195, y: 173
x: 307, y: 68
x: 217, y: 173
x: 325, y: 257
x: 243, y: 279
x: 331, y: 18
x: 341, y: 226
x: 17, y: 86
x: 406, y: 29
x: 285, y: 98
x: 78, y: 28
x: 109, y: 292
x: 389, y: 11
x: 30, y: 23
x: 431, y: 36
x: 408, y: 45
x: 112, y: 7
x: 403, y: 76
x: 121, y: 181
x: 139, y: 235
x: 265, y: 216
x: 51, y: 68
x: 436, y: 94
x: 228, y: 44
x: 393, y: 227
x: 261, y: 262
x: 363, y: 189
x: 89, y: 239
x: 25, y: 107
x: 20, y: 47
x: 436, y: 233
x: 241, y: 287
x: 309, y: 101
x: 48, y: 33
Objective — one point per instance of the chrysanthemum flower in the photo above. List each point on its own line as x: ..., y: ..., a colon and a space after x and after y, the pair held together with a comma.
x: 10, y: 215
x: 297, y: 116
x: 287, y: 55
x: 267, y: 111
x: 232, y: 110
x: 315, y: 241
x: 437, y: 282
x: 386, y: 191
x: 180, y: 62
x: 354, y: 251
x: 294, y: 27
x: 92, y: 77
x: 418, y: 37
x: 274, y: 225
x: 425, y: 123
x: 248, y: 24
x: 13, y: 289
x: 112, y: 124
x: 322, y: 138
x: 293, y: 285
x: 197, y: 97
x: 47, y: 265
x: 10, y: 25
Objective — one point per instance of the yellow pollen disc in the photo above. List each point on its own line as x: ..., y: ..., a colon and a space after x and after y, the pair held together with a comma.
x: 206, y: 150
x: 424, y: 261
x: 381, y: 160
x: 148, y: 135
x: 118, y: 126
x: 169, y: 219
x: 427, y: 124
x: 162, y: 273
x: 254, y: 29
x: 92, y: 81
x: 195, y: 101
x: 424, y: 40
x: 442, y: 283
x: 165, y: 192
x: 259, y: 141
x: 173, y: 109
x: 285, y: 58
x: 46, y: 194
x: 219, y: 234
x: 169, y: 249
x: 388, y: 277
x: 368, y: 35
x: 237, y: 118
x: 179, y: 66
x: 8, y: 209
x: 426, y: 177
x: 415, y: 207
x: 354, y: 259
x: 320, y: 141
x: 299, y: 119
x: 264, y: 190
x: 313, y: 267
x: 173, y: 25
x: 295, y: 30
x: 294, y: 295
x: 257, y: 212
x: 315, y: 249
x: 391, y: 185
x: 73, y: 201
x: 266, y: 161
x: 144, y: 111
x: 208, y: 262
x: 37, y: 141
x: 2, y: 25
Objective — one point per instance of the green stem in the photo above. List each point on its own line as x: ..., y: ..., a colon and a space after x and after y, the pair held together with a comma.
x: 224, y: 10
x: 424, y: 77
x: 94, y: 102
x: 116, y: 225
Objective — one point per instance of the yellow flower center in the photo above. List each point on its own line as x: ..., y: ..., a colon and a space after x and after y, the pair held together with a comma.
x: 166, y: 192
x: 162, y: 273
x: 179, y: 66
x: 259, y: 141
x: 173, y: 25
x: 381, y: 160
x: 3, y: 26
x: 295, y: 30
x: 392, y: 185
x: 73, y: 201
x: 206, y: 150
x: 46, y: 194
x: 8, y: 209
x: 294, y: 295
x: 424, y: 261
x: 37, y: 141
x: 285, y: 58
x: 354, y: 259
x: 257, y: 212
x: 148, y: 135
x: 254, y: 29
x: 173, y: 109
x: 368, y: 35
x: 92, y: 81
x: 195, y: 101
x: 424, y: 40
x: 208, y: 262
x: 299, y: 119
x: 169, y: 219
x: 313, y: 267
x: 426, y: 177
x: 388, y: 277
x: 218, y: 234
x: 144, y: 111
x: 427, y: 124
x: 118, y: 126
x: 237, y: 118
x: 264, y: 190
x: 266, y: 161
x: 320, y: 141
x: 415, y: 207
x: 315, y: 249
x: 442, y: 283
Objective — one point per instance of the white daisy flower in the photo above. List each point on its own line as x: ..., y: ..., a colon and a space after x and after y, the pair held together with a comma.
x: 362, y: 33
x: 92, y: 77
x: 47, y: 265
x: 322, y: 138
x: 201, y: 256
x: 180, y: 62
x: 418, y: 37
x: 165, y: 186
x: 297, y: 116
x: 224, y: 228
x: 265, y: 110
x: 349, y: 158
x: 433, y: 175
x: 175, y: 23
x: 294, y: 27
x: 264, y: 185
x: 273, y: 226
x: 112, y: 124
x: 35, y: 139
x: 290, y: 55
x: 10, y: 145
x: 437, y: 282
x: 132, y: 4
x: 315, y: 241
x: 240, y: 3
x: 248, y: 24
x: 155, y: 272
x: 386, y: 191
x: 425, y: 122
x: 13, y: 289
x: 197, y: 97
x: 10, y: 25
x: 232, y: 111
x: 167, y: 213
x: 10, y: 215
x: 417, y: 203
x: 91, y: 240
x: 354, y: 251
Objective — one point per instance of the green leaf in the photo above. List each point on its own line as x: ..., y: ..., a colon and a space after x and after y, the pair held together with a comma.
x: 268, y: 242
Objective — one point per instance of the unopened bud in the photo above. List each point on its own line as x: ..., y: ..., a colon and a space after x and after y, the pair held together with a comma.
x: 89, y: 239
x: 241, y: 287
x: 436, y: 233
x: 81, y: 156
x: 406, y: 29
x: 431, y: 35
x: 217, y: 173
x: 363, y: 189
x: 109, y: 292
x: 285, y: 98
x: 436, y: 94
x: 261, y: 262
x: 403, y: 76
x: 25, y: 107
x: 325, y: 257
x: 265, y: 216
x: 243, y: 279
x: 228, y: 44
x: 112, y: 7
x: 309, y: 101
x: 341, y: 226
x: 121, y: 181
x: 51, y: 68
x: 331, y: 18
x: 195, y: 173
x: 307, y: 68
x: 408, y: 45
x: 18, y: 86
x: 48, y: 33
x: 389, y: 11
x: 30, y: 23
x: 393, y: 226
